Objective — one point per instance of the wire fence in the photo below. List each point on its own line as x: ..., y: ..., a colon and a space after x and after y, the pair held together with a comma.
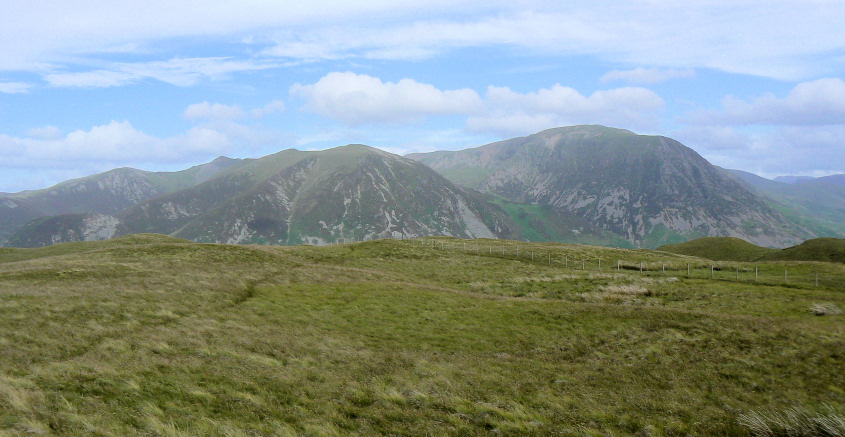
x: 801, y: 275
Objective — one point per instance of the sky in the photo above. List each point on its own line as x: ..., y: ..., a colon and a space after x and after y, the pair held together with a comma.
x: 87, y: 85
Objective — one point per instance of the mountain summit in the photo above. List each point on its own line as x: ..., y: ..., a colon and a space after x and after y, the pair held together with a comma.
x: 347, y: 193
x: 651, y: 190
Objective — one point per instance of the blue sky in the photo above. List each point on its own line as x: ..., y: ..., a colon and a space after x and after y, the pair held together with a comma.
x: 86, y: 86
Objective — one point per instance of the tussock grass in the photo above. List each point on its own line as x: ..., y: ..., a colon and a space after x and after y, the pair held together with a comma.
x: 795, y: 422
x: 165, y: 337
x: 825, y: 309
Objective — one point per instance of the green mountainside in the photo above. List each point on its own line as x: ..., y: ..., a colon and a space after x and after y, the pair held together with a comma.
x: 579, y: 184
x: 105, y: 193
x: 734, y: 249
x: 348, y: 193
x: 816, y: 203
x: 649, y: 190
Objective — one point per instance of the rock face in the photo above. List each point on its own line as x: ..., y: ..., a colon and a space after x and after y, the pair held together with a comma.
x: 348, y: 193
x: 66, y: 228
x: 651, y: 190
x: 588, y: 184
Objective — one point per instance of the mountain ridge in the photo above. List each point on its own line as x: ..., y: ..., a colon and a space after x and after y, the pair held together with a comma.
x: 586, y: 183
x: 674, y: 194
x: 350, y: 192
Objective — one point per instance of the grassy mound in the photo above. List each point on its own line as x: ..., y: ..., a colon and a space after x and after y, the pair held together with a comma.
x: 719, y: 248
x: 817, y: 249
x: 735, y: 249
x: 166, y: 337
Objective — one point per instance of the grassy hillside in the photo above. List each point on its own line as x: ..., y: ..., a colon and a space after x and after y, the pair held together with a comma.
x: 817, y: 249
x: 719, y: 248
x: 735, y: 249
x: 151, y: 335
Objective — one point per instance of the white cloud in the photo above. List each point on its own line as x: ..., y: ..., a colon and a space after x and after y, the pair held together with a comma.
x: 217, y: 111
x: 647, y: 75
x: 45, y: 133
x: 772, y: 151
x: 119, y: 143
x: 273, y: 107
x: 819, y: 102
x: 356, y: 99
x: 789, y: 40
x: 178, y: 71
x: 510, y: 112
x: 15, y: 87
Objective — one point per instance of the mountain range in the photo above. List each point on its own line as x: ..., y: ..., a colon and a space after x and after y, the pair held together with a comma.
x: 585, y: 184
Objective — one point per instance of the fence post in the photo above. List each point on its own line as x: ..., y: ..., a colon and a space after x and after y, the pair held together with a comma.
x: 664, y: 268
x: 817, y: 279
x: 641, y: 266
x: 532, y: 255
x: 582, y: 264
x: 599, y: 264
x: 517, y: 251
x: 618, y: 264
x: 566, y: 261
x: 687, y: 270
x: 550, y: 258
x: 711, y: 271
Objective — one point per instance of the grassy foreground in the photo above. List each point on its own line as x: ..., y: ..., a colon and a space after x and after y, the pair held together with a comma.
x: 155, y: 336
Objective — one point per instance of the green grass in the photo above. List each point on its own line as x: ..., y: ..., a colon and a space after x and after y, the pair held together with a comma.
x: 719, y: 248
x: 159, y: 336
x: 735, y: 249
x: 817, y: 249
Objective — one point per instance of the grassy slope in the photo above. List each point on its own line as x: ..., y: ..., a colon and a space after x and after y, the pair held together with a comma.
x: 817, y: 249
x: 154, y: 335
x: 719, y: 248
x: 735, y: 249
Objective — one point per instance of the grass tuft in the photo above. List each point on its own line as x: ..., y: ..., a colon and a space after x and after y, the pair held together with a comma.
x: 825, y: 309
x: 794, y: 422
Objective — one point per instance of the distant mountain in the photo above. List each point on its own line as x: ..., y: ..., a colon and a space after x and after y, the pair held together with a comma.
x: 579, y: 184
x: 104, y: 193
x: 792, y: 179
x: 818, y: 204
x: 348, y: 193
x: 650, y: 190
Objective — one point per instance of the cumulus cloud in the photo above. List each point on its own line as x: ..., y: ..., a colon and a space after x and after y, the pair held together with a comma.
x: 510, y: 112
x: 818, y: 102
x: 356, y: 99
x: 45, y: 133
x: 217, y: 111
x: 119, y: 143
x: 771, y: 151
x: 647, y: 75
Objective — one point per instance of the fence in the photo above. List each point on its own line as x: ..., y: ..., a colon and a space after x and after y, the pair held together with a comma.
x: 801, y: 275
